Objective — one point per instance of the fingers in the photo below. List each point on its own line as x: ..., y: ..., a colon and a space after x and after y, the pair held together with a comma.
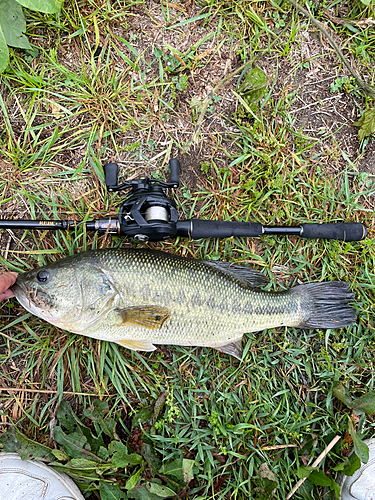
x: 6, y: 295
x: 6, y: 281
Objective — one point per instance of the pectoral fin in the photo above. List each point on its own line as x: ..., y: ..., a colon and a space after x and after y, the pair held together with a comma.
x: 152, y: 317
x: 137, y: 345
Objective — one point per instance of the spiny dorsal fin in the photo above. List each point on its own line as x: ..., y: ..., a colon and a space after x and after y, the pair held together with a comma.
x: 137, y: 345
x: 250, y: 277
x: 152, y: 317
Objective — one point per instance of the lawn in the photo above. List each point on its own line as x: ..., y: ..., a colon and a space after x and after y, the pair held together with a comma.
x: 139, y: 83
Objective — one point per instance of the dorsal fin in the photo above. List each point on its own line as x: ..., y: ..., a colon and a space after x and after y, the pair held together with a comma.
x: 250, y: 278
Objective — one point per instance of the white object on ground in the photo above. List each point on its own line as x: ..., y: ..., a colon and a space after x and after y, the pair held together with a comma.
x: 33, y: 480
x: 361, y: 485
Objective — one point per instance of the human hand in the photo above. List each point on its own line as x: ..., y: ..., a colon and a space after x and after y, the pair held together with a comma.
x: 6, y: 281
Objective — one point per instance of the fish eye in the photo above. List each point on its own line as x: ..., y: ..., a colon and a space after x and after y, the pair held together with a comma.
x: 42, y: 276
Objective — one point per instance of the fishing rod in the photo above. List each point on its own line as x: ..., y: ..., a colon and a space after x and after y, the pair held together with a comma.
x: 147, y: 214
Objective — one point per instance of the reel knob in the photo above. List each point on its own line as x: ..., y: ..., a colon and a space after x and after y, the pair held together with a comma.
x: 111, y: 174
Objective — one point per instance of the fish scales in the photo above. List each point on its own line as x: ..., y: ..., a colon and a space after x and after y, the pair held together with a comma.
x: 207, y: 306
x: 139, y: 298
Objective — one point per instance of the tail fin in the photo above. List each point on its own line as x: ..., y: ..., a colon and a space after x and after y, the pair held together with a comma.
x: 327, y: 304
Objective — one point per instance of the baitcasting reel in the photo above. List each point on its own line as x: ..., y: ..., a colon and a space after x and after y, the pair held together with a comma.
x: 147, y: 214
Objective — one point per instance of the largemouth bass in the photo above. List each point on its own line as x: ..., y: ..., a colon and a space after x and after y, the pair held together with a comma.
x: 139, y: 298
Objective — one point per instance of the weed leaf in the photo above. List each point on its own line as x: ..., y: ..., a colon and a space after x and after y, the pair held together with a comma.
x: 343, y: 395
x: 121, y: 458
x: 46, y: 6
x: 159, y: 405
x: 365, y: 404
x: 97, y: 412
x: 160, y: 491
x: 254, y: 87
x: 319, y: 478
x: 367, y: 124
x: 66, y: 417
x: 13, y: 24
x: 349, y: 466
x: 195, y: 104
x: 336, y: 488
x: 304, y: 471
x: 133, y: 480
x: 182, y: 469
x: 187, y: 470
x: 142, y: 493
x: 73, y: 444
x: 102, y: 452
x: 149, y: 455
x: 4, y: 52
x: 173, y: 468
x: 8, y: 439
x: 112, y: 492
x: 143, y: 415
x: 83, y: 464
x: 264, y: 471
x: 60, y: 455
x: 15, y: 442
x: 31, y: 450
x: 71, y: 423
x: 360, y: 448
x: 121, y: 461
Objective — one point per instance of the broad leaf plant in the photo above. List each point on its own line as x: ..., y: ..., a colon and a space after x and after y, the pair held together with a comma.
x: 13, y: 24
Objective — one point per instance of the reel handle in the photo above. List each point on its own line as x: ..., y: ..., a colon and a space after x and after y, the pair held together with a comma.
x: 174, y: 166
x: 111, y: 174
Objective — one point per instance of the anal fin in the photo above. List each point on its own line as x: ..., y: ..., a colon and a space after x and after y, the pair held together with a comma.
x: 137, y: 345
x: 233, y: 349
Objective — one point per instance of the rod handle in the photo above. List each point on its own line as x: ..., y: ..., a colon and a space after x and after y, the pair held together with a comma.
x: 345, y: 231
x: 200, y: 228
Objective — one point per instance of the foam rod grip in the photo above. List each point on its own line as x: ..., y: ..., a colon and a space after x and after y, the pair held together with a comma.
x: 224, y: 229
x: 346, y: 231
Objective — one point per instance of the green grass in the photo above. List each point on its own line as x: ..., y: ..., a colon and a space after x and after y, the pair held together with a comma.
x: 64, y: 114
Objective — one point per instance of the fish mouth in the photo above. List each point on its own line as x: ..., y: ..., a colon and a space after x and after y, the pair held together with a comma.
x: 31, y: 297
x: 19, y: 291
